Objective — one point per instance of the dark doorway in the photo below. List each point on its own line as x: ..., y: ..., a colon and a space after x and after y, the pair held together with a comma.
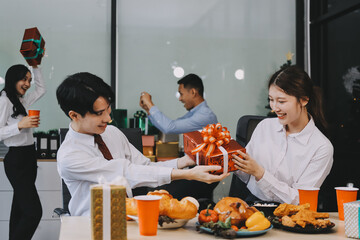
x: 335, y: 66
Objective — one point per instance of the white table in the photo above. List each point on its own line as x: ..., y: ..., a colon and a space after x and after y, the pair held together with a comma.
x: 78, y: 228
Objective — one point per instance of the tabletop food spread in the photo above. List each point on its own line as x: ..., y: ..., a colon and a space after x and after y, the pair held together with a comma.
x: 232, y: 217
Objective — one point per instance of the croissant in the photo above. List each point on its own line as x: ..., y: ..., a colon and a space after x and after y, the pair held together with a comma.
x: 187, y: 208
x: 164, y: 201
x: 184, y: 209
x: 131, y: 208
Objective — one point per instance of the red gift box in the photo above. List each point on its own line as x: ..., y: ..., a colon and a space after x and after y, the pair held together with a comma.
x: 32, y: 46
x: 194, y: 139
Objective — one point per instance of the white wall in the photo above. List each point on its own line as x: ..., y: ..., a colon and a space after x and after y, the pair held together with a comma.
x: 77, y: 36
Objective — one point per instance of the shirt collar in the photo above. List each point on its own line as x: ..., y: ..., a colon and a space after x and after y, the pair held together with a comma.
x: 304, y: 136
x: 82, y: 137
x: 279, y: 127
x: 202, y: 104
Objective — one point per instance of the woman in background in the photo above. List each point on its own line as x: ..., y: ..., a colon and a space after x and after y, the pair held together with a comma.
x: 290, y: 151
x: 20, y: 162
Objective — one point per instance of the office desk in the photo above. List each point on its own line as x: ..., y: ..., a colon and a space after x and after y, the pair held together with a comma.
x: 78, y: 228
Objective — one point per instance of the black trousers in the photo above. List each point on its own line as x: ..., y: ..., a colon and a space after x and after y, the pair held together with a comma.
x: 21, y: 169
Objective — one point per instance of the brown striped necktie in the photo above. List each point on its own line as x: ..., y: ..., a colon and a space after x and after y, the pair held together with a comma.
x: 102, y: 147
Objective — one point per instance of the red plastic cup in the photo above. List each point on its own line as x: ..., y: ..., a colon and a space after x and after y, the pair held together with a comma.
x: 148, y: 213
x: 34, y: 113
x: 344, y: 195
x: 309, y: 195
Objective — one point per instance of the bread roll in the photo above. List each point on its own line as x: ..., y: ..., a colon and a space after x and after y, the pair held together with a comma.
x: 187, y: 208
x: 131, y: 208
x: 183, y: 209
x: 164, y: 201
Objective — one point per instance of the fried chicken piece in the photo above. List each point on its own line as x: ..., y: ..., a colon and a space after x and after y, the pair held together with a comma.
x: 287, y: 221
x: 323, y: 223
x: 285, y: 209
x: 320, y: 215
x: 306, y: 216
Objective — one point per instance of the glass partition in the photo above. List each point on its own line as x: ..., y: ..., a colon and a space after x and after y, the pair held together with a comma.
x: 232, y: 45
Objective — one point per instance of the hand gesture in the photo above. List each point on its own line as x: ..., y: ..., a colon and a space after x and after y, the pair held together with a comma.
x: 145, y: 101
x: 29, y: 122
x: 248, y: 165
x: 201, y: 173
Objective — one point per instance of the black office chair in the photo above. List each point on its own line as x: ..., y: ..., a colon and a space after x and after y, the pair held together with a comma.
x: 245, y: 127
x: 134, y: 137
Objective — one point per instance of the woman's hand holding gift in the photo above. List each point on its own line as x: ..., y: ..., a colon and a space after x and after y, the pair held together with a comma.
x: 248, y: 165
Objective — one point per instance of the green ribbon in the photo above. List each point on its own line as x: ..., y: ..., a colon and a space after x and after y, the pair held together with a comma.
x: 39, y: 50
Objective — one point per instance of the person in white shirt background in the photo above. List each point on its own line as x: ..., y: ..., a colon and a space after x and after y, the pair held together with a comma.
x: 20, y: 163
x: 85, y: 99
x: 290, y: 151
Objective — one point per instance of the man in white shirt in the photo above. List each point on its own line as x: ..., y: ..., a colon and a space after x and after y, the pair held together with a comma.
x: 85, y: 99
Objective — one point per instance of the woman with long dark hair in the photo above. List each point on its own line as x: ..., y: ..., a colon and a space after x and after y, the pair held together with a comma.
x: 20, y: 162
x: 290, y: 151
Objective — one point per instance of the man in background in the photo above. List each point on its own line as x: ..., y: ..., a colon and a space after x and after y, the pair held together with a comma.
x: 199, y: 115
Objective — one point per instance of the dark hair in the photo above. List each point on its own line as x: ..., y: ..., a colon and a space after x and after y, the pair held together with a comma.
x: 193, y: 81
x: 14, y: 74
x: 79, y: 91
x: 296, y: 82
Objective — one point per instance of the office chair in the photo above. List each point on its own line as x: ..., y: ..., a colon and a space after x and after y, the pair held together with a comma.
x: 134, y: 137
x: 244, y: 129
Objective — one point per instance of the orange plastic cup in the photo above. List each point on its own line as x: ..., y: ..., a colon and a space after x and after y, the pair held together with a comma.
x: 148, y: 213
x: 344, y: 195
x: 309, y: 195
x: 34, y: 112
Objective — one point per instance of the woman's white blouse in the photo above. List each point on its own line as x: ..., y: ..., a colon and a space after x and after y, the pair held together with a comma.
x: 302, y: 159
x: 9, y: 131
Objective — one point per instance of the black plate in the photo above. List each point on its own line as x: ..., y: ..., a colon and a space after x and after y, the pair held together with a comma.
x: 239, y: 233
x: 266, y: 207
x: 299, y: 229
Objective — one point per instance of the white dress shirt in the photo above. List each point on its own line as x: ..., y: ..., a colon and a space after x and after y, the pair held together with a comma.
x: 9, y: 131
x: 81, y: 164
x: 301, y: 159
